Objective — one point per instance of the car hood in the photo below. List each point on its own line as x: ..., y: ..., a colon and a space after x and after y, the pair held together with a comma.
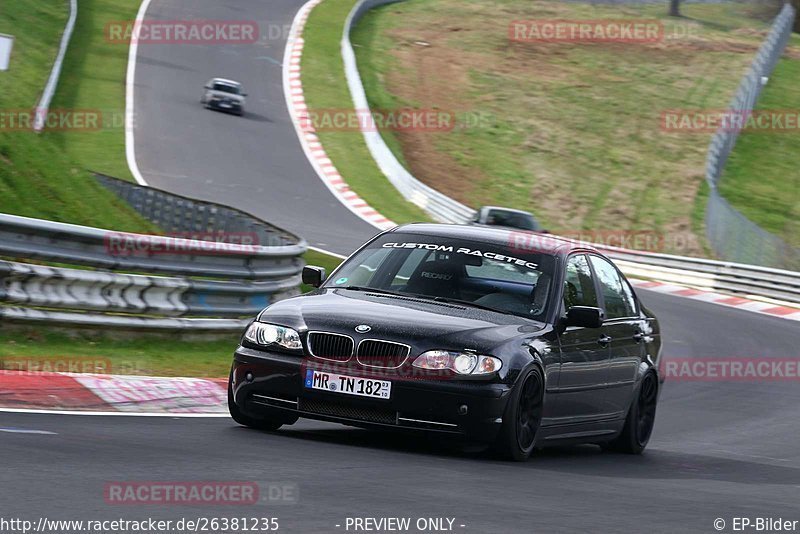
x: 228, y: 96
x: 420, y: 323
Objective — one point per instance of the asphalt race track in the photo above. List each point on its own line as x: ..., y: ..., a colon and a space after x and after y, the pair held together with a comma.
x: 720, y: 450
x: 253, y: 162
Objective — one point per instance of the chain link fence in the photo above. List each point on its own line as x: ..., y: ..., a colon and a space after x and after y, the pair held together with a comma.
x: 732, y: 235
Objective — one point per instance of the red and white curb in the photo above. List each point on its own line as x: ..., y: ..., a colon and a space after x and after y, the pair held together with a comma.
x: 742, y: 303
x: 298, y: 110
x: 112, y: 393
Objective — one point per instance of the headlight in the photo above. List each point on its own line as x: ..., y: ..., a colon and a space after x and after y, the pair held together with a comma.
x: 463, y: 363
x: 270, y: 334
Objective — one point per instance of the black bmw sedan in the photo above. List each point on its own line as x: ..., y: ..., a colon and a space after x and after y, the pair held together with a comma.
x: 516, y: 339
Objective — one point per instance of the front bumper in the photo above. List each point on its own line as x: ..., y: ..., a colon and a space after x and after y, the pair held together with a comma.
x: 463, y: 408
x: 231, y: 107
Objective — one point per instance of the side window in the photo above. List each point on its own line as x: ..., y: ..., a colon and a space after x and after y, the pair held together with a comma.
x: 413, y: 260
x: 617, y: 295
x: 363, y: 273
x: 499, y: 270
x: 578, y: 284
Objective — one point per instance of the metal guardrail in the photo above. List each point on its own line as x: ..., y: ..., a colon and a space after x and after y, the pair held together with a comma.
x: 731, y: 234
x: 740, y: 278
x: 730, y: 277
x: 210, y: 285
x: 52, y: 82
x: 175, y: 213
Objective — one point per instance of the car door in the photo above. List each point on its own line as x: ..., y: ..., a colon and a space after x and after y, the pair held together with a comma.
x: 584, y: 355
x: 623, y: 325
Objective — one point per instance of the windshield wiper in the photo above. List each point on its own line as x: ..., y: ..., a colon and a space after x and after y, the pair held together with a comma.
x: 443, y: 300
x: 447, y: 300
x: 370, y: 290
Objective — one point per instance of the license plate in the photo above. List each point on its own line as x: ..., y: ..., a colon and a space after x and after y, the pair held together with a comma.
x: 225, y: 105
x: 348, y: 385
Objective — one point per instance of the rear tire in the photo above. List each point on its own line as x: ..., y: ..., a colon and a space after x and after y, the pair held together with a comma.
x: 517, y: 437
x: 261, y: 423
x: 640, y: 421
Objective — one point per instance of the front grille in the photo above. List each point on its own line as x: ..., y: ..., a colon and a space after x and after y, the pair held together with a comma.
x: 336, y: 347
x: 386, y: 354
x: 357, y: 413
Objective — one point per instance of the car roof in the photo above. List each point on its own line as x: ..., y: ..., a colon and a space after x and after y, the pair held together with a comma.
x: 528, y: 241
x: 501, y: 208
x: 224, y: 80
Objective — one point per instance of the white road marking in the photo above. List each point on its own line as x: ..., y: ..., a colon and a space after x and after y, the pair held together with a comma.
x: 130, y: 150
x: 25, y: 431
x: 125, y: 414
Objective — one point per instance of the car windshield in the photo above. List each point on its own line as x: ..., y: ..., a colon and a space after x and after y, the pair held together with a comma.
x: 513, y: 219
x: 226, y: 88
x: 476, y: 274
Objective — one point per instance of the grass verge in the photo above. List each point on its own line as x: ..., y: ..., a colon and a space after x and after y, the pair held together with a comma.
x: 24, y: 348
x: 94, y: 79
x: 325, y: 87
x: 45, y: 175
x: 761, y: 178
x: 571, y: 131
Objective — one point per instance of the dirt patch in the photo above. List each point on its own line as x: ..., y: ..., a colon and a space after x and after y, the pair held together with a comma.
x: 568, y: 144
x: 436, y: 77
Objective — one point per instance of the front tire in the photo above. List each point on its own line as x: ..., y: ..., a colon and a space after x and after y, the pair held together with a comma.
x: 251, y: 422
x: 640, y: 421
x: 517, y: 437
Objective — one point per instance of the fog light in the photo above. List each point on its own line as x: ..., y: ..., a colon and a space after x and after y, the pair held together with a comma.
x: 249, y: 376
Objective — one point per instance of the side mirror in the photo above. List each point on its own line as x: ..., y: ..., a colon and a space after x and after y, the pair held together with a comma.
x: 585, y: 316
x: 207, y: 87
x: 244, y: 94
x: 313, y: 276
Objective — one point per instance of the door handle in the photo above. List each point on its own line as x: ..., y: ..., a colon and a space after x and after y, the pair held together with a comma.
x: 638, y: 336
x: 604, y: 340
